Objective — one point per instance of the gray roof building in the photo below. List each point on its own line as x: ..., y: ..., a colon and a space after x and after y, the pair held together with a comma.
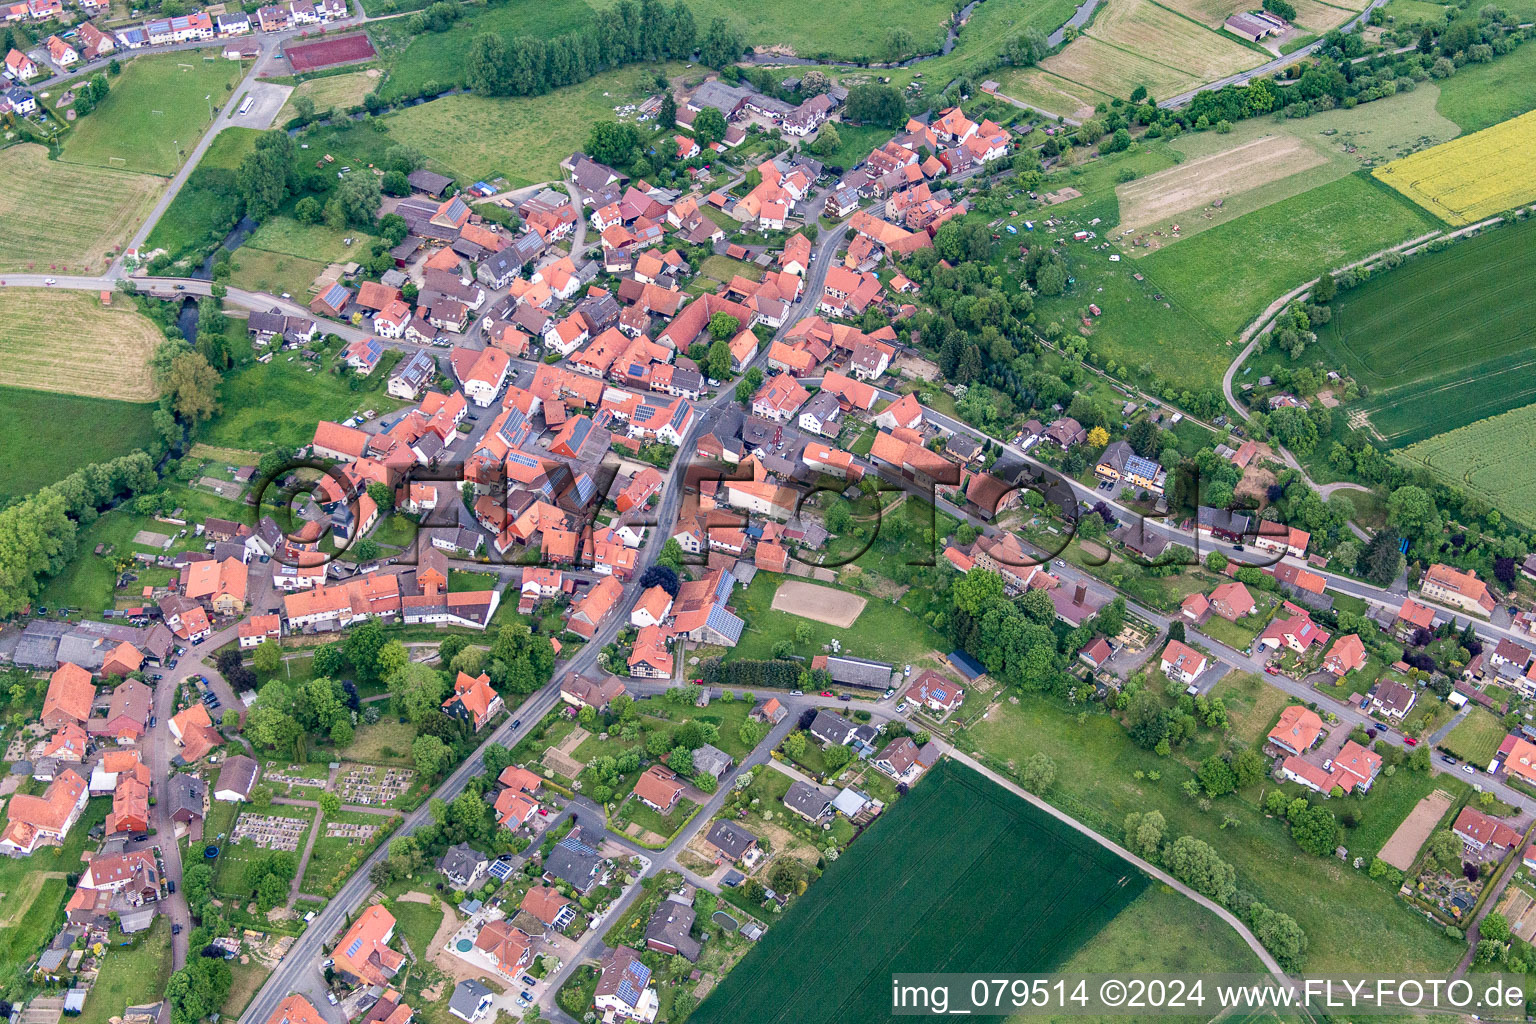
x: 807, y: 801
x: 713, y: 760
x: 575, y: 862
x: 669, y: 930
x: 731, y: 839
x: 860, y: 672
x: 470, y: 1000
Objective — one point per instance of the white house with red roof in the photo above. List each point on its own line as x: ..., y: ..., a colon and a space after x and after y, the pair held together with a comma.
x: 1182, y: 662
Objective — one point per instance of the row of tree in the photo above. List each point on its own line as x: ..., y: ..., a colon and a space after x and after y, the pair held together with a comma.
x: 629, y: 33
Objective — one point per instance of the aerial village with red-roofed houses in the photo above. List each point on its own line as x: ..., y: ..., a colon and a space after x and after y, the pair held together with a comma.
x: 528, y: 617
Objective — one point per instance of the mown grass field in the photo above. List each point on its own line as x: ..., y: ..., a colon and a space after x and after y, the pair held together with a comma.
x: 1140, y: 26
x: 1443, y: 340
x: 69, y: 216
x: 1351, y: 922
x: 45, y: 436
x: 1230, y: 273
x: 287, y: 236
x: 209, y: 198
x: 520, y: 138
x: 1476, y: 739
x: 883, y: 631
x: 1472, y: 177
x: 987, y: 883
x: 156, y: 111
x: 1489, y: 458
x: 332, y: 92
x: 68, y: 342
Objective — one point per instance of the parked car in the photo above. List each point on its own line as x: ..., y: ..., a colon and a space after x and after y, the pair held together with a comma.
x: 1468, y: 769
x: 170, y: 885
x: 1410, y: 741
x: 175, y: 929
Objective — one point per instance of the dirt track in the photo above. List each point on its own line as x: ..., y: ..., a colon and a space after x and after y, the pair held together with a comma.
x: 822, y: 604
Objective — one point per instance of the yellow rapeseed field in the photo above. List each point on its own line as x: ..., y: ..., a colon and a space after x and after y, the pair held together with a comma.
x: 1472, y: 177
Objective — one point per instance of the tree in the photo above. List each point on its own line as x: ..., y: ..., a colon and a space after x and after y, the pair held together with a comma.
x: 1216, y: 776
x: 1495, y: 926
x: 1316, y: 830
x: 708, y: 127
x: 1195, y: 863
x: 199, y: 989
x: 308, y: 211
x: 794, y: 744
x: 872, y: 104
x: 1280, y: 934
x: 723, y: 327
x: 837, y: 757
x: 1412, y: 511
x: 266, y: 174
x: 721, y: 46
x: 303, y: 107
x: 357, y: 197
x: 1144, y: 834
x: 266, y: 657
x: 672, y: 554
x: 1249, y: 767
x: 396, y: 184
x: 828, y: 141
x: 1381, y: 561
x: 362, y: 646
x: 1445, y: 849
x: 661, y: 576
x: 1037, y: 772
x: 748, y: 385
x: 612, y: 143
x: 1098, y: 437
x: 430, y: 755
x: 192, y: 384
x: 899, y: 44
x: 488, y: 66
x: 330, y: 804
x: 717, y: 364
x: 666, y: 117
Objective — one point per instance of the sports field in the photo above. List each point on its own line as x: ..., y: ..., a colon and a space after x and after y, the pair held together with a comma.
x: 1231, y: 272
x: 324, y: 53
x: 157, y: 110
x: 1444, y: 339
x: 1472, y: 177
x: 66, y: 341
x: 69, y: 215
x: 1491, y: 459
x: 959, y: 875
x: 206, y: 205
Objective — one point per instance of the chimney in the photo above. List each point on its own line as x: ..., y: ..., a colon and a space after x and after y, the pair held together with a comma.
x: 1082, y: 592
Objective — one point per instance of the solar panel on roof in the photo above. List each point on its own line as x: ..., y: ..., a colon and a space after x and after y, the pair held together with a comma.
x: 357, y: 944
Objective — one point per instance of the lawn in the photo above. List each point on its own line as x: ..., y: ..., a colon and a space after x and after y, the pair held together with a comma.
x: 855, y: 142
x: 69, y: 217
x: 521, y: 138
x: 1231, y: 272
x: 1443, y: 340
x: 1480, y: 95
x: 416, y: 923
x: 205, y: 208
x: 258, y: 270
x: 130, y: 976
x: 384, y: 742
x: 1351, y: 922
x: 1476, y: 739
x: 321, y: 242
x: 157, y: 110
x: 276, y: 404
x: 248, y: 979
x: 882, y: 631
x: 26, y: 926
x: 333, y: 859
x: 460, y: 582
x: 46, y: 436
x: 664, y: 825
x: 1004, y: 862
x: 69, y: 342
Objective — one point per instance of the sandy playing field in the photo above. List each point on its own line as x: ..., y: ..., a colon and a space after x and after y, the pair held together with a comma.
x: 1196, y: 183
x: 823, y: 604
x: 1410, y: 835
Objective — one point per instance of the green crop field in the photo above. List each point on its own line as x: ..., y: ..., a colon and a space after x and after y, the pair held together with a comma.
x: 1228, y: 274
x: 1489, y: 458
x: 209, y: 199
x: 46, y: 436
x: 1445, y: 339
x: 986, y: 883
x: 1480, y: 95
x: 157, y: 110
